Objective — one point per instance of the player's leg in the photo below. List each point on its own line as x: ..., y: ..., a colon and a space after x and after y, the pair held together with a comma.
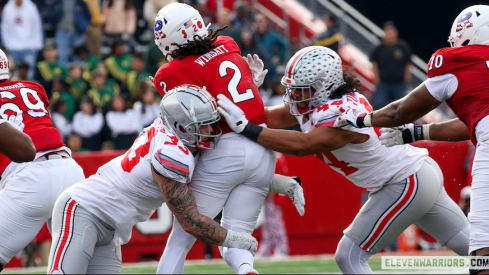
x: 446, y: 222
x: 28, y: 199
x: 106, y: 258
x: 215, y: 175
x: 386, y: 214
x: 177, y: 247
x: 75, y: 234
x: 245, y: 202
x: 479, y: 201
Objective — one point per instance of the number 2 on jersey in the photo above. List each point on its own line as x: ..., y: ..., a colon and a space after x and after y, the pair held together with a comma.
x: 234, y: 82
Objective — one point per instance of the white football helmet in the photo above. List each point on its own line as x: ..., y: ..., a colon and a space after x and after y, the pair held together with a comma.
x: 185, y: 109
x: 314, y: 70
x: 177, y: 23
x: 4, y: 67
x: 470, y: 27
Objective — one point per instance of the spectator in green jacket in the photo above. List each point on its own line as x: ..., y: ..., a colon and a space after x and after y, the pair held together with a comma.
x: 49, y: 68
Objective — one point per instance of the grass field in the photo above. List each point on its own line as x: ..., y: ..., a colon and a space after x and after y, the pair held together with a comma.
x: 288, y: 265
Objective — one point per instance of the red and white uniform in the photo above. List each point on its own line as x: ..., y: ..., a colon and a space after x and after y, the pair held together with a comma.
x: 236, y: 175
x: 35, y: 184
x: 122, y: 193
x: 406, y: 186
x: 221, y: 71
x: 460, y: 76
x: 29, y: 99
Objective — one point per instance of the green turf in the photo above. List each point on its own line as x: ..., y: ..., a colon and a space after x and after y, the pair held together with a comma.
x: 220, y: 267
x: 288, y: 266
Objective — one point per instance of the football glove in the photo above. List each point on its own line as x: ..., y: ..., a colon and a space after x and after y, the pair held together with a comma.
x: 405, y: 134
x: 256, y: 67
x: 355, y: 118
x: 241, y: 240
x: 16, y: 121
x: 234, y: 116
x: 292, y: 187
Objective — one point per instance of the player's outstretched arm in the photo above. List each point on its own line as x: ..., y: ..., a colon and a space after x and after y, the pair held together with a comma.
x: 416, y: 104
x: 451, y: 130
x: 318, y: 140
x: 181, y: 202
x: 16, y: 145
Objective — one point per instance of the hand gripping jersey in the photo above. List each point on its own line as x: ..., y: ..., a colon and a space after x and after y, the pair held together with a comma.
x: 369, y: 165
x: 470, y: 65
x: 221, y: 71
x: 29, y: 99
x: 124, y: 192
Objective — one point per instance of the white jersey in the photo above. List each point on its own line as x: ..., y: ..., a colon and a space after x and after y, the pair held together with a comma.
x: 370, y: 164
x: 124, y: 192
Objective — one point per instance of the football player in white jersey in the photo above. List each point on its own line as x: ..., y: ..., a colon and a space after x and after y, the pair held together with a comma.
x: 406, y: 186
x: 94, y: 217
x: 459, y: 76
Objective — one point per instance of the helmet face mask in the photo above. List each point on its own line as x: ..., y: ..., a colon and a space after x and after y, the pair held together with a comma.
x: 177, y: 24
x: 314, y: 72
x: 471, y: 27
x: 190, y: 113
x: 305, y: 104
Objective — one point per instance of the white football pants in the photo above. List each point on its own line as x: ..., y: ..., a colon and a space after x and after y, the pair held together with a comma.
x: 235, y: 177
x: 28, y: 198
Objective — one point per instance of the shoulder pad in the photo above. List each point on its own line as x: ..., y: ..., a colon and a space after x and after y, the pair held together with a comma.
x: 172, y: 159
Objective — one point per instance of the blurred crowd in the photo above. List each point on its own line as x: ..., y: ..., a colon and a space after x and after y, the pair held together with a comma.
x: 94, y: 59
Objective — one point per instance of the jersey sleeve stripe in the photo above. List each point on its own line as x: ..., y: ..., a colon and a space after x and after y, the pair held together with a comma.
x: 173, y: 165
x: 326, y: 122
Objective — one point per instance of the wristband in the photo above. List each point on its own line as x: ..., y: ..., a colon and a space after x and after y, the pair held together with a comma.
x: 364, y: 121
x: 367, y: 122
x: 426, y: 131
x: 252, y: 131
x: 418, y: 133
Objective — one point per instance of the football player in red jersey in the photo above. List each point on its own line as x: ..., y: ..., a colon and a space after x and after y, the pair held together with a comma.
x: 29, y: 190
x: 236, y: 175
x: 460, y: 76
x: 318, y: 91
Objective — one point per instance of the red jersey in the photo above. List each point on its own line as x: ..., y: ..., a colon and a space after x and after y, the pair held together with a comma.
x: 222, y: 71
x: 30, y: 98
x: 470, y: 65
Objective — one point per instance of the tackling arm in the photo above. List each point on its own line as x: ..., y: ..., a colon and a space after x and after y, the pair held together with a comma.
x: 181, y: 202
x: 318, y: 140
x: 405, y: 110
x: 16, y: 145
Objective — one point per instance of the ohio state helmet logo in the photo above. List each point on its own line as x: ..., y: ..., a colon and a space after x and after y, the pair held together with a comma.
x: 463, y: 22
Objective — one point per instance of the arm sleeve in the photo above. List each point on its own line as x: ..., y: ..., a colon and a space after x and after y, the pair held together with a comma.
x: 171, y: 162
x: 442, y: 87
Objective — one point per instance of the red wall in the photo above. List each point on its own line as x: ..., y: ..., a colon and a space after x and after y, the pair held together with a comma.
x: 331, y: 202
